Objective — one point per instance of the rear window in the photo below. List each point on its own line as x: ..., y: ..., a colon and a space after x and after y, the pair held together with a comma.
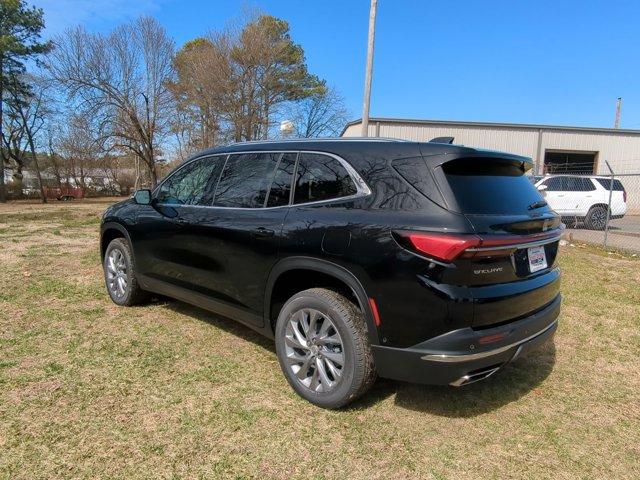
x: 606, y: 183
x: 490, y: 186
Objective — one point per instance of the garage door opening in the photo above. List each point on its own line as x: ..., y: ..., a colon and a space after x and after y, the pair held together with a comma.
x: 564, y: 161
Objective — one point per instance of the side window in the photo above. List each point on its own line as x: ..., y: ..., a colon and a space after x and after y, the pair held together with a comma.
x: 579, y: 184
x: 415, y: 171
x: 606, y: 183
x: 245, y: 180
x: 554, y: 184
x: 191, y: 184
x: 588, y: 185
x: 281, y: 185
x: 321, y: 177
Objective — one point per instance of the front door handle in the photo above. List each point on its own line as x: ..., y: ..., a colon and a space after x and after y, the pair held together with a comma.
x: 262, y: 232
x: 181, y: 221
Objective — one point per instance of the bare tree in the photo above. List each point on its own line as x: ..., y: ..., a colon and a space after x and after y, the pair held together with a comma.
x: 79, y: 150
x: 14, y: 147
x: 53, y: 161
x: 122, y: 79
x: 119, y: 171
x: 322, y: 115
x: 28, y: 108
x: 20, y: 28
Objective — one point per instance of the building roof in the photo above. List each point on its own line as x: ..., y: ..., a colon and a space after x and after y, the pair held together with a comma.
x: 517, y: 126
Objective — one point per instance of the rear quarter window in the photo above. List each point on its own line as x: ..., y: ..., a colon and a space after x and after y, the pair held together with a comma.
x: 417, y: 174
x: 606, y: 183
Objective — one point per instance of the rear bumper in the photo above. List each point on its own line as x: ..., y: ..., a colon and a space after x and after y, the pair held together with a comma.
x: 466, y: 355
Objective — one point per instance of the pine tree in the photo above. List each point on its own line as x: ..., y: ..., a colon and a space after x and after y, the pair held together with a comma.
x: 20, y: 29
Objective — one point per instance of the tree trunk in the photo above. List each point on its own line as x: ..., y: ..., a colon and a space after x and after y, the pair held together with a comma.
x: 35, y: 161
x: 153, y: 176
x: 3, y: 194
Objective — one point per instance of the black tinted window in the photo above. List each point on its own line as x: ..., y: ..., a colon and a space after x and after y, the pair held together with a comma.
x: 192, y: 184
x: 606, y: 183
x: 490, y: 186
x: 579, y: 184
x: 555, y: 184
x: 320, y: 177
x: 416, y: 172
x: 281, y: 185
x: 245, y: 180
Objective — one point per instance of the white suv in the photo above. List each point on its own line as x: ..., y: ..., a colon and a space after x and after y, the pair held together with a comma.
x: 584, y: 198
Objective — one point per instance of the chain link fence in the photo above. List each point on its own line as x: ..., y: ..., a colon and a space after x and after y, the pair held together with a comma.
x: 601, y: 209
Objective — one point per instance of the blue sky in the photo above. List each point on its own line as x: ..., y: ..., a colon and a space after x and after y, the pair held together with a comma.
x: 551, y: 62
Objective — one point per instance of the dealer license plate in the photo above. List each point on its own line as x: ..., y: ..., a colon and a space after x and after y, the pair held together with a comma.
x: 537, y: 259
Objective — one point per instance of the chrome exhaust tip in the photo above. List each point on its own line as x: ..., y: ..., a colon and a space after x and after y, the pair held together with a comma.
x: 475, y: 377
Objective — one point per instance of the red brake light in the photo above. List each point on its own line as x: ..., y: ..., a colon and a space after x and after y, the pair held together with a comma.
x: 624, y: 196
x: 443, y: 246
x: 449, y: 246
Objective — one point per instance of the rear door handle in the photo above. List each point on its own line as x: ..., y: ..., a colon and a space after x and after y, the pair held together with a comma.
x: 262, y: 232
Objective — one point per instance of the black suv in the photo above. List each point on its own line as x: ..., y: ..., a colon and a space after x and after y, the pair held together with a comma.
x: 423, y: 262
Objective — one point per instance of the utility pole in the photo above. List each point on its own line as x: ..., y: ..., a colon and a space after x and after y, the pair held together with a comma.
x: 368, y: 72
x: 618, y: 109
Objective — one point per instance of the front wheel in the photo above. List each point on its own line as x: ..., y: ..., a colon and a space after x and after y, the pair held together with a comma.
x: 322, y: 347
x: 120, y: 275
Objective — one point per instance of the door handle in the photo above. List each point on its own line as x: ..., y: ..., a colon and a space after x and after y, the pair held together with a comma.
x: 262, y: 232
x: 181, y: 221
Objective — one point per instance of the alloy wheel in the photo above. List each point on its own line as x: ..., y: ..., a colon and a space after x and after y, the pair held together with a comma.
x: 599, y: 219
x: 314, y: 351
x: 117, y: 276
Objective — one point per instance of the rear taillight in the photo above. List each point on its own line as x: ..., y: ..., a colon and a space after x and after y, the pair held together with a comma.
x: 624, y: 196
x: 449, y: 246
x: 444, y: 247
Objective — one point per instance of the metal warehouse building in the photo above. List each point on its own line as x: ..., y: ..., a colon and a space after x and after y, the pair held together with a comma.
x: 554, y: 149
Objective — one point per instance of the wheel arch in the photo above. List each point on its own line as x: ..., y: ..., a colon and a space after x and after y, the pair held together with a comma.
x: 323, y: 274
x: 109, y: 232
x: 597, y: 205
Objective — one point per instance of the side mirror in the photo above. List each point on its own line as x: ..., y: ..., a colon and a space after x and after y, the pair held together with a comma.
x: 142, y: 197
x: 541, y: 188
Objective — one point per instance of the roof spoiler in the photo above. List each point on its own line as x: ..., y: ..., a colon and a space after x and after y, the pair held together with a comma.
x: 448, y: 140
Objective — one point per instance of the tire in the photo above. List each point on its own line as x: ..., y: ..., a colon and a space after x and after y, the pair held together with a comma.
x: 338, y: 334
x: 128, y: 293
x: 596, y: 218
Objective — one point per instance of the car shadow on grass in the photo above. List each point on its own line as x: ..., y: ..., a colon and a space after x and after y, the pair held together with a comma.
x: 515, y: 380
x: 511, y: 383
x: 224, y: 323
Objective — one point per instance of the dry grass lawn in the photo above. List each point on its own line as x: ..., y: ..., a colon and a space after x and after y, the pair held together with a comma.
x: 89, y: 390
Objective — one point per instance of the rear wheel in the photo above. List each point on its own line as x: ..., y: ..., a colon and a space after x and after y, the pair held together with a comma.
x: 322, y: 347
x: 596, y: 218
x: 120, y: 274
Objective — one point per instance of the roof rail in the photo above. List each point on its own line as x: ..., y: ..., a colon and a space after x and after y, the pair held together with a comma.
x: 322, y: 139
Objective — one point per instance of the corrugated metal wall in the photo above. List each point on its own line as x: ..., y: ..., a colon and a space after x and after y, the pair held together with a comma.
x: 620, y: 149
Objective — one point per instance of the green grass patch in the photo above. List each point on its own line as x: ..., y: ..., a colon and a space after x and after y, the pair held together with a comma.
x: 92, y: 390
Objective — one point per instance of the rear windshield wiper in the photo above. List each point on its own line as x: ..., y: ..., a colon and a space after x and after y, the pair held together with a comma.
x: 538, y: 204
